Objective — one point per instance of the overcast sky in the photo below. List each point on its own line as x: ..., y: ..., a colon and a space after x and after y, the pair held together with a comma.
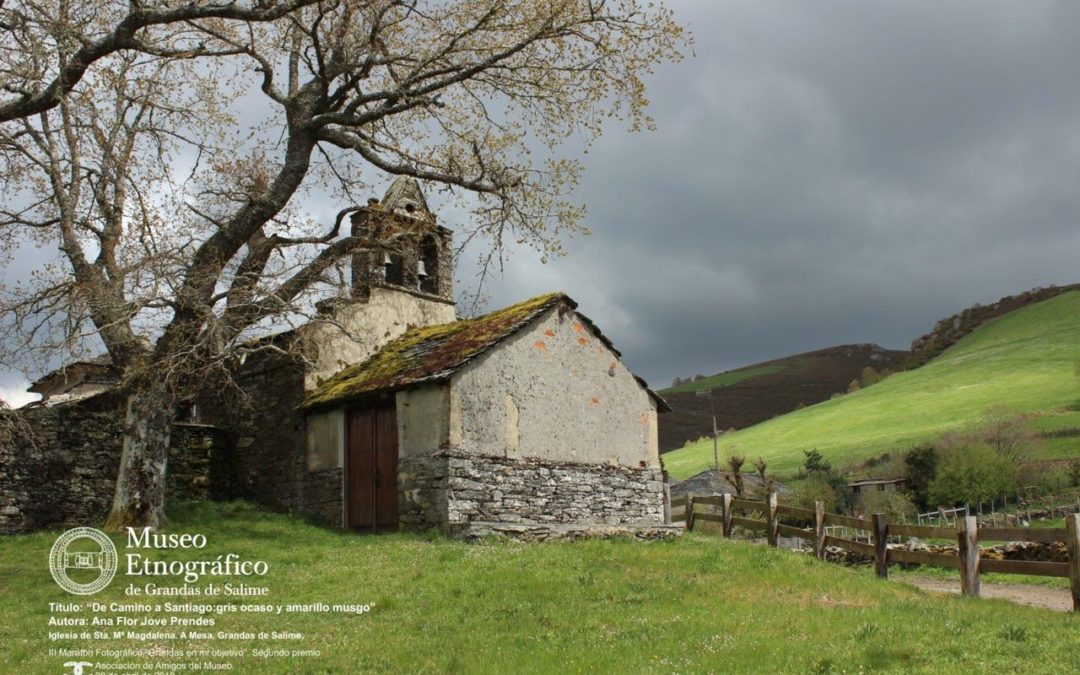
x: 830, y: 172
x: 826, y: 172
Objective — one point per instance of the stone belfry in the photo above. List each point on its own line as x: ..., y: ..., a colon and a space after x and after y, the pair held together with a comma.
x: 420, y: 262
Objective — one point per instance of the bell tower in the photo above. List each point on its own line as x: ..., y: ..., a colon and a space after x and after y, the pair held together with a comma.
x: 402, y: 279
x: 412, y: 253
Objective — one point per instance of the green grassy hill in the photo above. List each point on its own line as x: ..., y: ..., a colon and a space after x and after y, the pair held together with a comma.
x: 700, y: 604
x: 1024, y: 359
x: 725, y: 379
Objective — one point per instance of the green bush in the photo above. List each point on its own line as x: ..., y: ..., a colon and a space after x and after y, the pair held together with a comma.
x: 815, y: 462
x: 1074, y: 474
x: 893, y: 504
x: 818, y: 487
x: 1045, y: 479
x: 971, y: 473
x: 920, y: 465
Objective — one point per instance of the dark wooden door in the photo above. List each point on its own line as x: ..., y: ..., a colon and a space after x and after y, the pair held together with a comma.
x: 371, y: 469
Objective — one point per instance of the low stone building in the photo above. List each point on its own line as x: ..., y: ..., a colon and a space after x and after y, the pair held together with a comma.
x: 523, y: 416
x: 389, y: 412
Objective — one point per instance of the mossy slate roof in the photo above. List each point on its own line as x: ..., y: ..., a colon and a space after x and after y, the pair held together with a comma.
x: 434, y: 353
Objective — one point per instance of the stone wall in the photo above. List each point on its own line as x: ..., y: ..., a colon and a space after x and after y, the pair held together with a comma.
x: 456, y: 488
x: 269, y: 463
x: 422, y: 491
x: 67, y: 475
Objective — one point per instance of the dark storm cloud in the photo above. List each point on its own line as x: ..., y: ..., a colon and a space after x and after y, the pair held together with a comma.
x: 830, y: 172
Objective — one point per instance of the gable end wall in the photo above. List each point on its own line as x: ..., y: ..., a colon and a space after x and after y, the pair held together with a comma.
x: 553, y: 392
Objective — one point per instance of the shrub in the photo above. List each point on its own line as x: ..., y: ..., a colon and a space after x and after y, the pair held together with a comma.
x: 869, y: 376
x: 1074, y: 474
x: 815, y: 462
x: 893, y: 504
x: 1045, y: 479
x: 969, y: 474
x: 1009, y: 434
x: 920, y: 464
x: 818, y: 487
x: 735, y: 463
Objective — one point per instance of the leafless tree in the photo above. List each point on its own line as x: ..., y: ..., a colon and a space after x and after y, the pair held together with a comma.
x: 735, y: 464
x: 14, y: 427
x: 164, y: 151
x: 1009, y: 433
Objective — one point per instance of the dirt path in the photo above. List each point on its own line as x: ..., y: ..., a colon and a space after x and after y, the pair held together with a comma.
x: 1058, y: 599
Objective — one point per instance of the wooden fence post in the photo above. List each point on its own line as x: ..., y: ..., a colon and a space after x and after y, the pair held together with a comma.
x: 881, y: 544
x: 772, y: 519
x: 967, y: 536
x: 725, y: 506
x: 667, y: 500
x: 819, y: 529
x: 689, y: 511
x: 1072, y: 539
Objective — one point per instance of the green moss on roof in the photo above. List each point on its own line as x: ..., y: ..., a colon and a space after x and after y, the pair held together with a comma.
x: 431, y: 353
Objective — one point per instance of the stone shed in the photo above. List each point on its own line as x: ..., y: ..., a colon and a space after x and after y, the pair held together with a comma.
x: 522, y: 418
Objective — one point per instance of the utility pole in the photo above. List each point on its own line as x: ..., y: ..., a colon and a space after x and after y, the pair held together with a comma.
x: 702, y: 393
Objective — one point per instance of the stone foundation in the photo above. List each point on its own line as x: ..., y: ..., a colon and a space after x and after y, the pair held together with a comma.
x: 452, y: 489
x: 547, y: 532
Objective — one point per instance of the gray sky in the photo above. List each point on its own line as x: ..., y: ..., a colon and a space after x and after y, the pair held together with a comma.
x: 825, y: 172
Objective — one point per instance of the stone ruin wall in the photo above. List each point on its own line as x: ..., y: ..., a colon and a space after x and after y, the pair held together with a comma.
x: 269, y: 463
x: 67, y: 476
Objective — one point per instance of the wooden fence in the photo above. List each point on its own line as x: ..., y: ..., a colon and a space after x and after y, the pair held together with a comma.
x: 966, y: 532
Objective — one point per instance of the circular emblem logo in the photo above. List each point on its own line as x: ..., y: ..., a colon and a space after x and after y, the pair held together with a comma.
x: 83, y: 561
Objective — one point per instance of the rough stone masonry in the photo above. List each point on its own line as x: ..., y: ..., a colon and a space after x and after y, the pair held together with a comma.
x: 65, y: 475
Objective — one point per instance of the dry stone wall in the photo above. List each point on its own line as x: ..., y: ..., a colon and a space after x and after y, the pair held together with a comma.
x: 269, y: 464
x: 67, y: 474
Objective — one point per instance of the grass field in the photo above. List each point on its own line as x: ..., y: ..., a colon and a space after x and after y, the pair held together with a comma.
x: 725, y: 379
x: 699, y: 604
x: 1024, y: 360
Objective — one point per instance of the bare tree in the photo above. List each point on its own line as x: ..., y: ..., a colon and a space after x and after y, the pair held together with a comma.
x: 164, y: 152
x: 735, y: 464
x: 1009, y: 433
x: 14, y: 428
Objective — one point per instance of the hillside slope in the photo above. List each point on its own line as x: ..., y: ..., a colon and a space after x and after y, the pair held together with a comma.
x: 746, y: 396
x: 949, y: 330
x: 1024, y: 359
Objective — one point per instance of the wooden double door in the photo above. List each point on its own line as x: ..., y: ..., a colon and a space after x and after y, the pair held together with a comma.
x: 371, y: 494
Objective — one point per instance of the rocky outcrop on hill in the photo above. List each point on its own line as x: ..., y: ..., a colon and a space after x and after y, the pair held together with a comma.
x: 708, y: 483
x: 949, y: 330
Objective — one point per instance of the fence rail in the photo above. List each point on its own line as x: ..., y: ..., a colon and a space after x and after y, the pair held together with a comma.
x: 966, y: 533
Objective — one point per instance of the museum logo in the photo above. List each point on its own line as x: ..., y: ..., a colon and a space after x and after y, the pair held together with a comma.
x: 83, y: 561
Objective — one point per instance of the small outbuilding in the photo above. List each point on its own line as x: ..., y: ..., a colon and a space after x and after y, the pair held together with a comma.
x: 525, y: 416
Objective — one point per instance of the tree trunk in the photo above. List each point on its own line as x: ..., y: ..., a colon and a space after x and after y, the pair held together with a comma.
x: 140, y: 486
